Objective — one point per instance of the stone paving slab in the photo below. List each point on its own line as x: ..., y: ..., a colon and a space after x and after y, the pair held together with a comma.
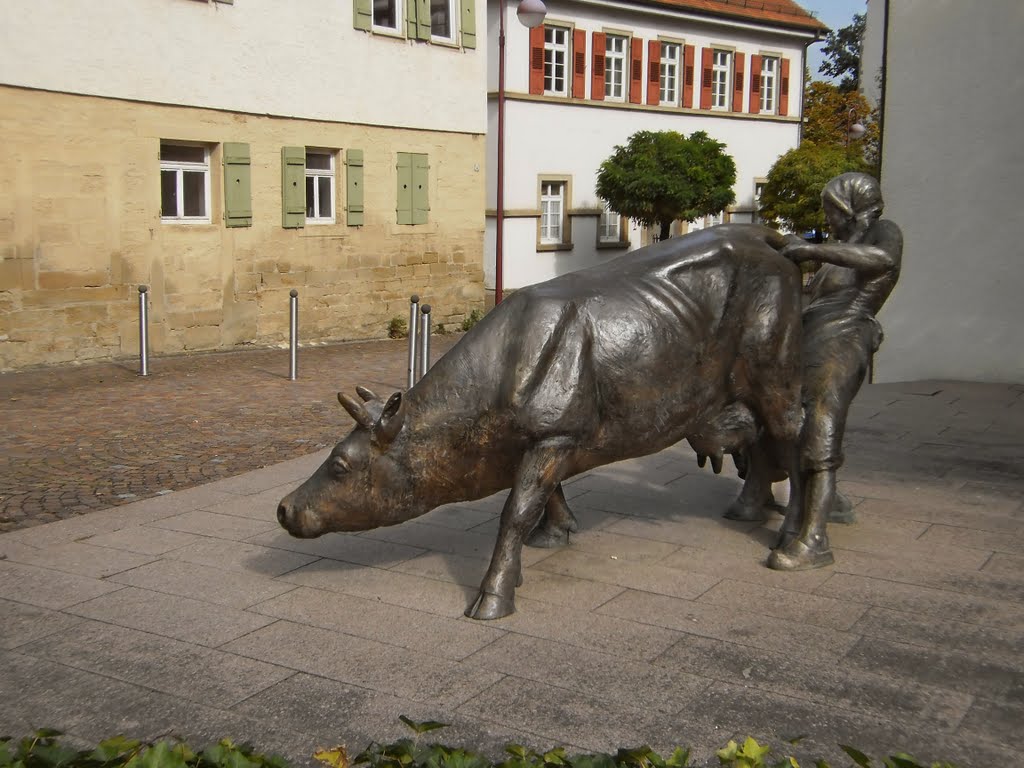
x: 190, y: 612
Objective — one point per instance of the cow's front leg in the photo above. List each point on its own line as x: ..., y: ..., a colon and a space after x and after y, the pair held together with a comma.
x: 536, y: 480
x: 556, y: 524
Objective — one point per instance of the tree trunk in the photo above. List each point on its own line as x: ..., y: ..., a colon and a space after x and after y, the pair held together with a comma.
x: 666, y: 231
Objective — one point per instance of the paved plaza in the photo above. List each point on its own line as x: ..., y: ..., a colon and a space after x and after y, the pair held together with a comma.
x: 147, y: 589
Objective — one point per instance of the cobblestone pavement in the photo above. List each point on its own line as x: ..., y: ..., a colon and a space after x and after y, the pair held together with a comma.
x: 79, y: 438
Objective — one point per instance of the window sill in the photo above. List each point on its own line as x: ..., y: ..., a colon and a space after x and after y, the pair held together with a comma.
x: 611, y: 246
x: 187, y: 222
x: 541, y: 247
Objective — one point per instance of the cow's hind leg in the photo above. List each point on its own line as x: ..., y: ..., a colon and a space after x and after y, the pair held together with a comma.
x: 536, y: 480
x: 556, y: 524
x: 755, y: 500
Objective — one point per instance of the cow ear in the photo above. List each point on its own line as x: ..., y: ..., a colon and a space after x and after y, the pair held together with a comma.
x: 390, y: 422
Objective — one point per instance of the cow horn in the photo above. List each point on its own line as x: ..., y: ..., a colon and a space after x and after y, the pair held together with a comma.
x: 356, y: 410
x: 366, y: 393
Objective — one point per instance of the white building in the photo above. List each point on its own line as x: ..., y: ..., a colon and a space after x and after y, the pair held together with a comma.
x: 952, y: 165
x: 223, y: 153
x: 599, y: 70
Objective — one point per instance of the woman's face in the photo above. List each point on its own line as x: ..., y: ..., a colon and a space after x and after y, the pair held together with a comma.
x: 839, y: 224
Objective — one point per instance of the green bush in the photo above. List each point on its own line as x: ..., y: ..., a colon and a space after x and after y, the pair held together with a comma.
x: 398, y: 328
x: 44, y: 750
x: 474, y: 317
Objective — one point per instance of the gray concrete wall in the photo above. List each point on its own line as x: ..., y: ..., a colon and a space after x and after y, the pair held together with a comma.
x: 952, y: 173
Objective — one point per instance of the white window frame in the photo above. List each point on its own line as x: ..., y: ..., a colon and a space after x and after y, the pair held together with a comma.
x: 668, y: 74
x: 721, y: 78
x: 552, y: 212
x: 450, y: 38
x: 769, y: 94
x: 609, y: 226
x: 316, y: 174
x: 179, y: 167
x: 556, y: 59
x: 616, y: 49
x: 399, y: 17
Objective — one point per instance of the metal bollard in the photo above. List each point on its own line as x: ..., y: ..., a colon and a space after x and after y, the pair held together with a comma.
x: 414, y: 305
x: 293, y: 337
x: 425, y: 341
x: 143, y: 331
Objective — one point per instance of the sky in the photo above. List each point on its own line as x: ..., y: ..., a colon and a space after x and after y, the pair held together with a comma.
x: 836, y: 14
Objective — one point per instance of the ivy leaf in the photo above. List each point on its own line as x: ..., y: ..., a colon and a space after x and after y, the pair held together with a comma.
x: 336, y: 757
x: 727, y: 754
x: 424, y: 727
x: 856, y: 755
x: 110, y: 749
x: 680, y: 758
x: 160, y: 755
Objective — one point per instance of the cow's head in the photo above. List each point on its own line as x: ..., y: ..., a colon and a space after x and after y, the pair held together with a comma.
x: 364, y: 483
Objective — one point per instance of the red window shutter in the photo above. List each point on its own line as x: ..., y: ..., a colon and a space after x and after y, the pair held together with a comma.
x: 537, y: 60
x: 705, y: 78
x: 784, y: 88
x: 755, y: 84
x: 597, y: 46
x: 737, y: 82
x: 579, y: 64
x: 636, y: 72
x: 653, y: 72
x: 687, y: 75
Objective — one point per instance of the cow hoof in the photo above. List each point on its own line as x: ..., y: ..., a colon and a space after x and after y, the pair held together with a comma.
x: 487, y: 607
x: 785, y: 538
x: 797, y: 556
x: 746, y: 513
x: 547, y: 538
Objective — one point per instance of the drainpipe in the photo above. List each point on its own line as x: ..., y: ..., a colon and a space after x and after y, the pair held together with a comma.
x: 499, y: 229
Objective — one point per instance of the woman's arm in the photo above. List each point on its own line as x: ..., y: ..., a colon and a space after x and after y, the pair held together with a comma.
x: 873, y: 259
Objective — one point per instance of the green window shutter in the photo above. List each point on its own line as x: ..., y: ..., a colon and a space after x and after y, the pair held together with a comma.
x: 293, y: 187
x: 468, y: 24
x: 422, y: 18
x: 420, y: 203
x: 362, y: 11
x: 237, y: 185
x: 354, y: 187
x: 404, y: 208
x: 410, y: 19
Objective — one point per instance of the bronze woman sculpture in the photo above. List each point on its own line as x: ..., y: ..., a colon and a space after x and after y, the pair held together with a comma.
x: 840, y: 334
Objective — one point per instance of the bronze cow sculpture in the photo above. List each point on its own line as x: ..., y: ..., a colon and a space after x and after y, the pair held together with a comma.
x: 696, y: 337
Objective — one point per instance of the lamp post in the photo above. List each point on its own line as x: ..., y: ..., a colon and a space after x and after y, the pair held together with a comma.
x: 853, y: 130
x: 531, y: 14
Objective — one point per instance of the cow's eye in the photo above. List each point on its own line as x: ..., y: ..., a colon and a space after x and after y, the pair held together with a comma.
x: 339, y: 466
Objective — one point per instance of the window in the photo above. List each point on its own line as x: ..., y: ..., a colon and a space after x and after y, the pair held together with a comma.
x: 552, y: 212
x: 611, y: 228
x: 319, y: 187
x: 556, y: 57
x: 758, y: 191
x: 184, y: 182
x: 442, y: 26
x: 720, y: 71
x: 669, y: 78
x: 615, y: 67
x: 386, y: 14
x: 769, y: 79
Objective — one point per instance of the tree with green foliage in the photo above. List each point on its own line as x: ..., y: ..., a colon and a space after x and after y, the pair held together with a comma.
x: 829, y: 113
x: 661, y: 176
x: 842, y: 54
x: 791, y: 196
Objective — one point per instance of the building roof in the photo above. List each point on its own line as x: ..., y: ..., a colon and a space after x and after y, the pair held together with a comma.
x: 781, y: 12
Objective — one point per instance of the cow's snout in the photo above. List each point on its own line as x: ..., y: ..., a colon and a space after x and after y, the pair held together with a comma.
x: 282, y: 514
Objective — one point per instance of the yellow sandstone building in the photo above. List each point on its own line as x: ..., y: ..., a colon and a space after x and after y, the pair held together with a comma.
x: 224, y: 153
